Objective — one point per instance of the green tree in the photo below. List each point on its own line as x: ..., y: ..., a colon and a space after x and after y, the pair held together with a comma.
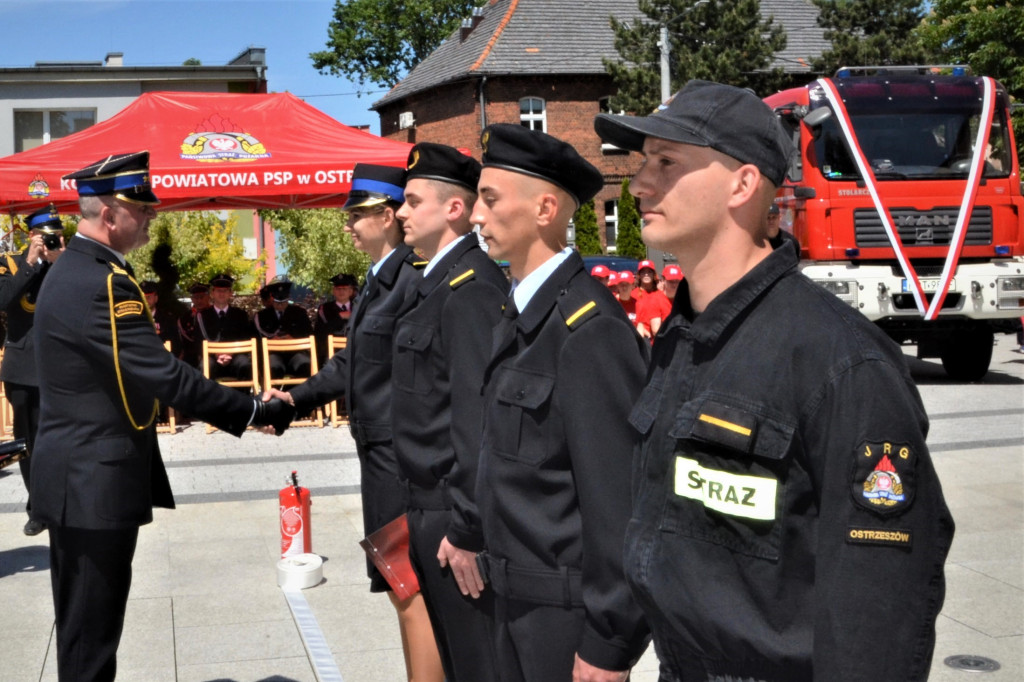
x: 191, y: 61
x: 989, y: 38
x: 315, y: 247
x: 627, y: 241
x: 718, y: 40
x: 588, y: 239
x: 870, y: 32
x: 201, y: 246
x: 381, y: 40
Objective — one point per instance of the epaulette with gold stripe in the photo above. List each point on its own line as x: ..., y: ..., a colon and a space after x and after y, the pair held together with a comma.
x: 117, y: 269
x: 581, y: 315
x: 12, y: 265
x: 420, y: 264
x: 466, y: 276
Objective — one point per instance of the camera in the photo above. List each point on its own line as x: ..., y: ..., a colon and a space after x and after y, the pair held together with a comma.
x: 51, y: 240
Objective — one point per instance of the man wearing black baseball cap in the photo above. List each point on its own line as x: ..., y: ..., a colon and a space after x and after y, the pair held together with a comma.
x: 442, y: 343
x: 783, y: 511
x: 564, y: 371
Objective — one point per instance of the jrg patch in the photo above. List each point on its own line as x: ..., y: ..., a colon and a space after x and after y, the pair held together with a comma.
x: 884, y: 477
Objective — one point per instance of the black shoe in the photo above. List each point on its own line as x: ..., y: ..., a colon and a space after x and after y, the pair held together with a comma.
x: 34, y: 527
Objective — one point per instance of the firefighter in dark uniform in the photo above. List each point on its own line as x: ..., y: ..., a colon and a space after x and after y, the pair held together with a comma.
x: 284, y: 320
x: 225, y: 322
x: 553, y: 482
x: 97, y: 471
x: 21, y: 275
x: 442, y: 345
x: 188, y: 328
x: 333, y: 316
x: 166, y: 322
x: 361, y: 374
x: 788, y: 523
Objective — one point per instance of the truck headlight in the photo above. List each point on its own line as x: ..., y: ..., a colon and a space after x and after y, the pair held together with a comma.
x: 1010, y: 293
x: 846, y: 290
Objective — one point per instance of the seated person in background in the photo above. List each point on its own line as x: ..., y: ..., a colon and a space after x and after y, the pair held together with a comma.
x: 165, y: 321
x: 284, y: 320
x: 188, y: 331
x: 333, y: 315
x: 225, y: 322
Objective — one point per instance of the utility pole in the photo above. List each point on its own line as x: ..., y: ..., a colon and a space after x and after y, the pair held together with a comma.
x: 666, y: 49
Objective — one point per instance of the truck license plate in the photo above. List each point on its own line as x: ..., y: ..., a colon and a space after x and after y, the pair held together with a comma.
x: 929, y: 286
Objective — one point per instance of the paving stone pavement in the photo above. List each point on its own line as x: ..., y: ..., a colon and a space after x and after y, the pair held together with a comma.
x: 205, y: 605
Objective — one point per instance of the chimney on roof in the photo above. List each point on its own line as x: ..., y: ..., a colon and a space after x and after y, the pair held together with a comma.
x: 470, y: 22
x: 114, y: 59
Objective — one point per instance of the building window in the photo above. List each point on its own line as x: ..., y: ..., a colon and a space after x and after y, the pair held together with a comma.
x: 33, y: 128
x: 611, y: 223
x: 605, y: 104
x: 532, y: 114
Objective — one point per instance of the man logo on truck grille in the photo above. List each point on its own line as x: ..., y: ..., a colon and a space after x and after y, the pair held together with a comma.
x: 925, y: 235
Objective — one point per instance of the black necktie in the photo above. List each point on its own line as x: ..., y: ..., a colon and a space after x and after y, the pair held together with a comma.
x: 222, y: 313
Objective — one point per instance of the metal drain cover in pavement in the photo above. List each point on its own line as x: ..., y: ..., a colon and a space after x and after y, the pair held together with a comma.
x: 974, y: 664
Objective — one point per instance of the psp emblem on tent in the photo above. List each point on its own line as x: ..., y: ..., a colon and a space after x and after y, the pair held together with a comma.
x: 222, y: 140
x: 38, y: 187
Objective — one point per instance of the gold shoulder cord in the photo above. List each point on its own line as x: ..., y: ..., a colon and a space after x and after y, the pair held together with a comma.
x: 117, y: 362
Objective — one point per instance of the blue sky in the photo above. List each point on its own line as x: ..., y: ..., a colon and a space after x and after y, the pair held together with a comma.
x: 167, y: 32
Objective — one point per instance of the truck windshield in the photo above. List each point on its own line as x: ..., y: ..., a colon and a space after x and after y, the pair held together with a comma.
x: 913, y: 129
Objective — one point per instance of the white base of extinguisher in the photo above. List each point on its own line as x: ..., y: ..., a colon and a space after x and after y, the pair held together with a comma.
x: 300, y: 571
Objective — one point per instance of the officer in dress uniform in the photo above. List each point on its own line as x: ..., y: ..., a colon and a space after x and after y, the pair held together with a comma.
x: 21, y: 275
x: 97, y: 471
x: 442, y: 345
x: 225, y: 322
x: 166, y: 322
x: 188, y: 328
x: 553, y: 485
x: 332, y: 316
x: 361, y: 374
x: 788, y: 523
x: 284, y: 320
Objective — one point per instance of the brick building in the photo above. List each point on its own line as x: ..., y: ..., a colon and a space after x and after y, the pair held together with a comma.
x: 539, y: 63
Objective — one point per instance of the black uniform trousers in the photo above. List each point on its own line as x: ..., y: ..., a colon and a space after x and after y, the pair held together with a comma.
x: 465, y: 635
x: 91, y: 574
x: 526, y: 651
x: 25, y: 405
x: 289, y: 364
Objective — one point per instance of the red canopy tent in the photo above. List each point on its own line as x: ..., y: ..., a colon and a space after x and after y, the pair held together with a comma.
x: 208, y: 151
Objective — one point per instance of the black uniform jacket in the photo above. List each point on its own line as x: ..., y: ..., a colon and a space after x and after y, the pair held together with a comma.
x: 294, y: 323
x: 19, y: 287
x: 442, y: 346
x: 361, y: 372
x: 102, y: 369
x: 234, y: 326
x: 329, y: 320
x: 554, y: 479
x: 788, y: 522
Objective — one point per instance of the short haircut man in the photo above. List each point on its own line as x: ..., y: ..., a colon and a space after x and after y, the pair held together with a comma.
x: 782, y: 511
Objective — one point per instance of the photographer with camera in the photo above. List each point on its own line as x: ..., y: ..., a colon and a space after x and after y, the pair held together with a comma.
x: 21, y: 275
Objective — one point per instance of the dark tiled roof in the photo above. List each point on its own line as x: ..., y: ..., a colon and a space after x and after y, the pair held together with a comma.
x: 552, y: 37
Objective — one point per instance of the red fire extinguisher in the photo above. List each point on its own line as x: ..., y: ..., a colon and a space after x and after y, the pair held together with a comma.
x: 296, y: 534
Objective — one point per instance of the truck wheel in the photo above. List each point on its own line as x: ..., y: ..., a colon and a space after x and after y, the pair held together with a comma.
x: 966, y: 353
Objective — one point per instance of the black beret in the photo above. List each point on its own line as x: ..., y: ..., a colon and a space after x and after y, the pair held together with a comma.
x: 45, y: 220
x: 198, y: 288
x: 126, y: 176
x: 343, y: 280
x: 521, y: 150
x: 373, y: 185
x: 444, y: 163
x: 148, y: 286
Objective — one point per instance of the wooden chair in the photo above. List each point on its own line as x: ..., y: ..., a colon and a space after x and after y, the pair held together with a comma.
x: 305, y: 344
x: 339, y: 417
x: 171, y: 425
x: 215, y: 348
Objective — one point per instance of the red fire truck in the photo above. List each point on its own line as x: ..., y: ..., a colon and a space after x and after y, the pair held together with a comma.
x: 906, y: 201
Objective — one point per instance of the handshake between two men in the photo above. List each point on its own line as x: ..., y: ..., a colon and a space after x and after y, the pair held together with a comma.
x: 274, y: 412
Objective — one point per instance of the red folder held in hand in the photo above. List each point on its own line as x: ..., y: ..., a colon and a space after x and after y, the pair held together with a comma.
x: 388, y: 548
